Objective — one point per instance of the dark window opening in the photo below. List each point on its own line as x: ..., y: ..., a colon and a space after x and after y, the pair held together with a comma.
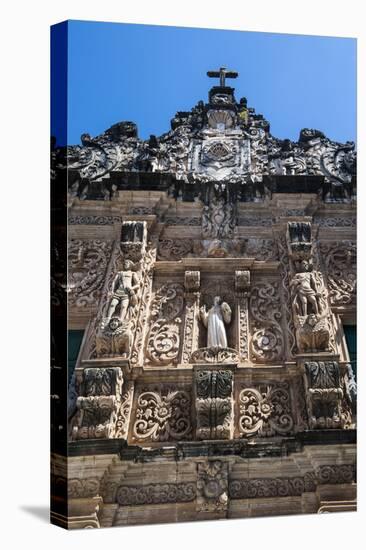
x: 75, y: 338
x: 350, y: 332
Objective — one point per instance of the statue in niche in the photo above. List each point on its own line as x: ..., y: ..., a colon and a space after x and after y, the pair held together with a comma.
x: 305, y: 293
x: 124, y: 295
x: 214, y: 320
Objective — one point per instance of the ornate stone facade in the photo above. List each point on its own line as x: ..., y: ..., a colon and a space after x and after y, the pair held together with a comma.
x: 217, y: 265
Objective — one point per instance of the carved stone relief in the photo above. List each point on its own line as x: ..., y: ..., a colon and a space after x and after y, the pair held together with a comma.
x: 114, y: 334
x: 192, y: 283
x: 267, y: 343
x: 265, y: 410
x: 125, y: 409
x: 299, y: 240
x: 87, y: 264
x: 325, y: 395
x: 212, y: 486
x: 98, y: 405
x: 214, y: 404
x: 340, y: 264
x: 269, y: 488
x: 242, y: 289
x: 163, y: 342
x: 174, y: 249
x: 156, y: 493
x: 309, y: 296
x: 162, y: 414
x: 287, y: 301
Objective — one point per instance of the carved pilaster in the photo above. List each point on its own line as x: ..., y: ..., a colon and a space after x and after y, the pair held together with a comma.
x: 141, y: 327
x: 98, y: 404
x: 192, y: 283
x: 164, y: 337
x: 214, y: 404
x: 242, y: 288
x: 124, y: 413
x: 324, y: 395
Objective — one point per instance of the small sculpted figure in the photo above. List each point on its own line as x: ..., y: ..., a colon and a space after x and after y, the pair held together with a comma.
x: 214, y: 320
x: 124, y: 289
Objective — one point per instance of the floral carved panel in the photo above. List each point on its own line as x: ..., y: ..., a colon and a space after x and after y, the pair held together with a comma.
x: 162, y: 414
x: 163, y: 342
x: 267, y: 342
x: 265, y: 410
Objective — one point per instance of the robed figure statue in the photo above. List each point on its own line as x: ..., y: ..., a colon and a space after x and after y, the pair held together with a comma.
x: 214, y: 320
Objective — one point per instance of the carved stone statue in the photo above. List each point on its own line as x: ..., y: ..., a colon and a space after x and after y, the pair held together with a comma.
x: 123, y: 296
x: 313, y: 334
x: 305, y: 293
x: 214, y: 320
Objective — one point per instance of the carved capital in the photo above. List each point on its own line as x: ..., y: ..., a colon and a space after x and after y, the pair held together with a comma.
x: 299, y: 240
x: 133, y: 239
x: 242, y: 282
x: 192, y: 281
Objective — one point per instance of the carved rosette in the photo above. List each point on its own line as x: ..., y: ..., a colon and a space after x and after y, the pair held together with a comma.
x: 163, y: 415
x: 212, y: 486
x: 267, y: 343
x: 265, y: 410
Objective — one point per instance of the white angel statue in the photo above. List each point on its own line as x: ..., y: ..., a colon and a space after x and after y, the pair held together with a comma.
x: 214, y: 320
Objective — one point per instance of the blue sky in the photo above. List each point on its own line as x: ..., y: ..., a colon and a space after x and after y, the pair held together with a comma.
x: 146, y: 73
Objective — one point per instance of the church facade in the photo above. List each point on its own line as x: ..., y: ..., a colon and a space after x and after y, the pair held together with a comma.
x: 211, y: 312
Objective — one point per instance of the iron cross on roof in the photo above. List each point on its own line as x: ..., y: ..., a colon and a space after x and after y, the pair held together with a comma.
x: 222, y: 73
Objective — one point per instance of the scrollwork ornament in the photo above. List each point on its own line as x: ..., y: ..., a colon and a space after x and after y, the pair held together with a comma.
x: 267, y: 342
x: 340, y: 263
x: 87, y: 264
x: 164, y: 336
x: 163, y: 416
x: 265, y: 411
